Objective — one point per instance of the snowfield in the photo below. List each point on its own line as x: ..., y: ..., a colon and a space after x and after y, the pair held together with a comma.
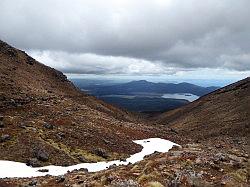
x: 10, y: 169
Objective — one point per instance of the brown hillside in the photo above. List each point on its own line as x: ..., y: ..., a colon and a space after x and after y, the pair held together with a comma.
x: 45, y: 120
x: 225, y: 112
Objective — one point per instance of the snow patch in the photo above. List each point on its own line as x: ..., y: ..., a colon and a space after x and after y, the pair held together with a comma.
x: 10, y: 169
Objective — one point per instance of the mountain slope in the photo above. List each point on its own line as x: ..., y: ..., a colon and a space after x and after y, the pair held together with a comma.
x: 143, y: 86
x: 214, y: 136
x: 45, y: 117
x: 225, y: 112
x: 45, y: 120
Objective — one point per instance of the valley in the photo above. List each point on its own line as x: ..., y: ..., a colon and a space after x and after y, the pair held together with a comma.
x: 47, y: 123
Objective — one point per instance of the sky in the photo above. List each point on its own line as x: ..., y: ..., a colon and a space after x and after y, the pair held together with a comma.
x: 158, y: 39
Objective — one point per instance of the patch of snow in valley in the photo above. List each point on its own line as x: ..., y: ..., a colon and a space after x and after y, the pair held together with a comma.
x: 12, y: 169
x: 186, y: 96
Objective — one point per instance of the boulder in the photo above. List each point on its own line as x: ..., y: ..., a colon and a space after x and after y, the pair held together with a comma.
x: 60, y: 135
x: 43, y: 170
x: 34, y: 162
x: 48, y: 126
x: 106, y: 141
x: 82, y: 159
x: 100, y: 152
x: 4, y: 138
x: 42, y: 155
x: 60, y: 179
x: 33, y: 183
x: 1, y: 124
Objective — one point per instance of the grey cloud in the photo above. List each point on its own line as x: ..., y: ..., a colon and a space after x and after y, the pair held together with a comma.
x: 178, y: 34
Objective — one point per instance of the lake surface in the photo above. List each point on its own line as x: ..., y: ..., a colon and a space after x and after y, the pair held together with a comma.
x: 186, y: 96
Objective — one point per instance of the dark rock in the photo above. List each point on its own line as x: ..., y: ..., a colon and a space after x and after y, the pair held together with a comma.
x: 122, y: 159
x: 10, y: 52
x: 1, y: 118
x: 110, y: 179
x: 60, y: 179
x: 43, y: 170
x: 4, y: 138
x: 61, y: 135
x: 48, y: 126
x: 106, y: 141
x: 220, y: 157
x: 1, y: 124
x: 175, y: 147
x: 80, y: 182
x: 30, y: 60
x: 100, y: 152
x: 112, y: 166
x: 42, y: 156
x: 22, y: 126
x: 219, y: 146
x: 60, y: 76
x: 215, y: 166
x: 197, y: 141
x: 34, y: 162
x: 13, y: 103
x: 85, y: 170
x: 33, y: 183
x: 77, y: 177
x: 173, y: 130
x: 66, y: 164
x: 82, y: 159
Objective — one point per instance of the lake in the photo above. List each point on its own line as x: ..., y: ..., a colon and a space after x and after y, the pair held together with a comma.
x: 186, y: 96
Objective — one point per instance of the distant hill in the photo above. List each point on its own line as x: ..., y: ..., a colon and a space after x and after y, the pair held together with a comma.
x: 143, y: 86
x: 147, y: 97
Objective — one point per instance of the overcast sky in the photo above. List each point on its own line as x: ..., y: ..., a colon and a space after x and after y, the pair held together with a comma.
x: 178, y: 38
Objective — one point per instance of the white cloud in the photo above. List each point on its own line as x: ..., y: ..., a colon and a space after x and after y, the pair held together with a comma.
x: 88, y: 63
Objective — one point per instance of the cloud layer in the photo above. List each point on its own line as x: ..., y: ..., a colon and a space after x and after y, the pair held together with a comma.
x: 127, y: 36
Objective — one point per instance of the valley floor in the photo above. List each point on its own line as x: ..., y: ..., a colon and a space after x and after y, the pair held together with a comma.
x: 223, y: 163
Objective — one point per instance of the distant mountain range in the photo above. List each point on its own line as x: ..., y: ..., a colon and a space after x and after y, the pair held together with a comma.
x: 143, y: 96
x: 143, y: 86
